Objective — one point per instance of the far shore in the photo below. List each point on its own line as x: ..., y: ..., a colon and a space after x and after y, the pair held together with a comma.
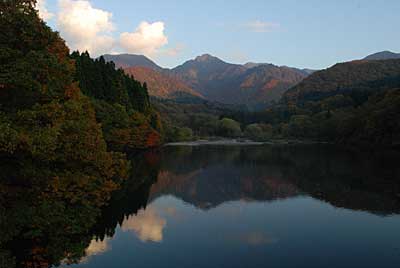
x: 240, y: 142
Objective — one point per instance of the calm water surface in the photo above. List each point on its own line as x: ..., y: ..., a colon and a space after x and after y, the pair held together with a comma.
x: 209, y: 206
x: 254, y: 207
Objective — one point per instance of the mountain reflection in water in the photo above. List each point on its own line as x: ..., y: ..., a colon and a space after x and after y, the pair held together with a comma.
x: 209, y: 176
x: 244, y: 207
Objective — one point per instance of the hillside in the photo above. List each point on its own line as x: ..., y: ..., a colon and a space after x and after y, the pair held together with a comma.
x: 357, y: 77
x: 269, y: 82
x: 306, y: 72
x: 384, y: 55
x: 159, y: 84
x: 206, y: 73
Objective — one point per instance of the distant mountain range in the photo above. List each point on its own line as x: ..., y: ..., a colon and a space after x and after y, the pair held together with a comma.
x: 213, y: 79
x: 208, y: 77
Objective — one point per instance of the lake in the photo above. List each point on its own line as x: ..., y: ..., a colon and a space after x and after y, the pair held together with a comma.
x: 223, y: 206
x: 257, y: 206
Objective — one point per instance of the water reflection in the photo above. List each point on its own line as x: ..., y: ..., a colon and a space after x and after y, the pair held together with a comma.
x: 147, y: 224
x: 207, y: 177
x: 222, y: 207
x: 254, y: 238
x: 96, y: 247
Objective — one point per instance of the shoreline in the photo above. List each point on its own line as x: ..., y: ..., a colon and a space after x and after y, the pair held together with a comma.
x: 238, y: 142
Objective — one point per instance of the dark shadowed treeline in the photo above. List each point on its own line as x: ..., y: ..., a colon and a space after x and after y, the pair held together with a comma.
x: 121, y: 103
x: 99, y: 79
x: 353, y: 103
x: 186, y: 119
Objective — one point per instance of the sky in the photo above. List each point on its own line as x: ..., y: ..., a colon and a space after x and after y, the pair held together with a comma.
x: 305, y: 34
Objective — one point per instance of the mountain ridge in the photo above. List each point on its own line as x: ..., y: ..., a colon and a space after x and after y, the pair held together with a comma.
x: 251, y: 84
x: 214, y: 79
x: 131, y: 60
x: 383, y: 55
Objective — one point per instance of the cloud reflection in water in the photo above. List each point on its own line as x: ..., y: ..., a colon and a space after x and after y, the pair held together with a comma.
x: 148, y: 225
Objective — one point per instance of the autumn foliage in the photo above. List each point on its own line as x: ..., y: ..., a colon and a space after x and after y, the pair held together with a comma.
x: 66, y: 112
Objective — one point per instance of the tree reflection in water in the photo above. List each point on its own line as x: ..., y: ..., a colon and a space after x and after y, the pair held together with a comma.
x: 42, y: 227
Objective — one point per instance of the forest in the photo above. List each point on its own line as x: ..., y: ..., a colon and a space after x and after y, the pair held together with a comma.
x: 67, y: 123
x: 355, y: 103
x: 66, y: 109
x: 122, y: 105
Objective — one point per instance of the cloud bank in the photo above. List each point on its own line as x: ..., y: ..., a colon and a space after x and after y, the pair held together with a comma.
x: 85, y: 27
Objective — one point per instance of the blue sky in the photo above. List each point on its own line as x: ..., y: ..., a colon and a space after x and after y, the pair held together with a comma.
x: 308, y: 34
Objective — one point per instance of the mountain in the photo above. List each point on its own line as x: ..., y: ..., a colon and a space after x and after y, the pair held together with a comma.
x: 350, y: 78
x: 212, y: 77
x: 250, y: 65
x: 161, y: 84
x: 204, y: 189
x: 131, y: 60
x: 249, y: 84
x: 206, y: 71
x: 384, y: 55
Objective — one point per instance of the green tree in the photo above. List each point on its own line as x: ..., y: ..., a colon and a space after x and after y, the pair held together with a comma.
x: 229, y: 128
x: 300, y: 126
x: 259, y: 132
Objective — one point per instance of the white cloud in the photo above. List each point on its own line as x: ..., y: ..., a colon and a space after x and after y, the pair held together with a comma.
x: 85, y: 27
x: 147, y: 39
x: 43, y: 12
x: 259, y: 26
